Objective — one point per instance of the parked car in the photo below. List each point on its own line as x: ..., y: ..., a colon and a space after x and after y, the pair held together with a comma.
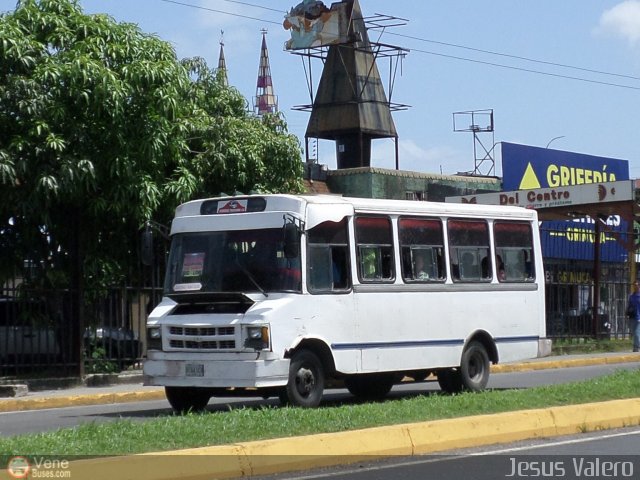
x: 119, y: 345
x: 30, y: 336
x: 27, y: 333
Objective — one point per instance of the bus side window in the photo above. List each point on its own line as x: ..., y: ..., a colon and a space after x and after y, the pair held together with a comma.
x: 328, y: 258
x: 374, y: 239
x: 340, y: 267
x: 319, y: 268
x: 422, y: 244
x: 514, y: 245
x: 469, y: 250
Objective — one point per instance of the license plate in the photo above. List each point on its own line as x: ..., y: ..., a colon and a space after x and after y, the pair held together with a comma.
x: 194, y: 370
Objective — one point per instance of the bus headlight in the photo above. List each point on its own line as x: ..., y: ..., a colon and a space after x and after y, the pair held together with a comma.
x: 257, y: 337
x: 154, y: 338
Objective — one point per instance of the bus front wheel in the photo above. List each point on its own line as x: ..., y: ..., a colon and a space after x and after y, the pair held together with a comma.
x: 306, y: 380
x: 187, y: 399
x: 474, y: 367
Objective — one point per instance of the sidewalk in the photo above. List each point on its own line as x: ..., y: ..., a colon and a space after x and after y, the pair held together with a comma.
x: 130, y: 389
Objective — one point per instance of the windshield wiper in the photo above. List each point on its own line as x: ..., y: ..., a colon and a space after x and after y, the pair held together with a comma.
x: 250, y: 277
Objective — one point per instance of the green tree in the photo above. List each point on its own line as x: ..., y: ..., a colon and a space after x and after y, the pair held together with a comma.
x: 102, y: 129
x: 230, y: 149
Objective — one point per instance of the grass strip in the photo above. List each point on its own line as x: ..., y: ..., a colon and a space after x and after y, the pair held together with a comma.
x: 244, y: 424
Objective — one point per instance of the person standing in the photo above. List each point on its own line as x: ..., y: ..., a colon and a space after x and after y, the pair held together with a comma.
x: 634, y: 315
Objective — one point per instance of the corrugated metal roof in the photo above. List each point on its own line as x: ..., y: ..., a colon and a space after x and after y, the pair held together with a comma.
x: 410, y: 174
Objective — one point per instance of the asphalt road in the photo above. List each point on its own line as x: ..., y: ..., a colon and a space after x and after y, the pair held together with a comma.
x: 603, y: 454
x: 14, y: 423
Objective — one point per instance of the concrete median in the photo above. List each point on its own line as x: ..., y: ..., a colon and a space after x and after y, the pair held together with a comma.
x: 323, y: 450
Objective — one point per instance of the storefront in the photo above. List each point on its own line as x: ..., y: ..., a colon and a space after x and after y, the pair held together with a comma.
x: 586, y: 233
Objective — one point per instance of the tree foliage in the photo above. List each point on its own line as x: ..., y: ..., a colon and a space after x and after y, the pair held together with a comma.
x: 103, y: 128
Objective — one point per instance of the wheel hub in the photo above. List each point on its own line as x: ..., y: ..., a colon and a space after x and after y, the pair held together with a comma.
x: 305, y: 380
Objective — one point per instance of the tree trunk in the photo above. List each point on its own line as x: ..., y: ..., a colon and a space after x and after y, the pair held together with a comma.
x: 77, y: 292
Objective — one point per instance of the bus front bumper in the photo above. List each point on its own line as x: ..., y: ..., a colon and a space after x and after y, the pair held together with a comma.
x: 232, y: 373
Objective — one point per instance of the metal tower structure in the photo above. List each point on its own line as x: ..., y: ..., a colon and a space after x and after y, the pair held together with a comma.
x: 480, y: 123
x: 265, y: 100
x: 350, y: 105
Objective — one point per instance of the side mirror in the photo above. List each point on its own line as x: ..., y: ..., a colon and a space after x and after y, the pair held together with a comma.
x: 291, y: 240
x: 146, y: 247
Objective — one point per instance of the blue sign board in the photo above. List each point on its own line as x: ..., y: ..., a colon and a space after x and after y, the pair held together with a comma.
x: 575, y: 240
x: 525, y: 167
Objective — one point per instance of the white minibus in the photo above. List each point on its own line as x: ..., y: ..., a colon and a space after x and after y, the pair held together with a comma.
x: 284, y: 295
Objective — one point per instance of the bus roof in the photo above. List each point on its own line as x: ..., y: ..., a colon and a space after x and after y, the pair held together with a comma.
x: 299, y: 203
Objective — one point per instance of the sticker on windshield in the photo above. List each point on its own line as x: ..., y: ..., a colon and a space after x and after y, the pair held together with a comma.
x: 192, y: 265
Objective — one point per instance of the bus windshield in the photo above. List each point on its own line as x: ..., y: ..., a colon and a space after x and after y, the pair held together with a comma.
x: 247, y: 261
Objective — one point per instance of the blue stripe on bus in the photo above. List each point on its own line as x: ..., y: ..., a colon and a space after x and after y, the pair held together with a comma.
x: 517, y: 339
x: 412, y: 343
x: 422, y: 343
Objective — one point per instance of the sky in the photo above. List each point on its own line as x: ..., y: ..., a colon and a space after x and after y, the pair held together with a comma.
x: 558, y: 74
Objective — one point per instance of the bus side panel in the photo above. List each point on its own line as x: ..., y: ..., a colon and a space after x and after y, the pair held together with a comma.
x: 430, y: 329
x: 328, y: 318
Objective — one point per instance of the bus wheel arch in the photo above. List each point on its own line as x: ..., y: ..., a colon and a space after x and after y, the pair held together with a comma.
x: 487, y: 342
x: 320, y: 349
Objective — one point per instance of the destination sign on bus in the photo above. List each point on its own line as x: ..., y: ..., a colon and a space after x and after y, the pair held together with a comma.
x: 233, y: 205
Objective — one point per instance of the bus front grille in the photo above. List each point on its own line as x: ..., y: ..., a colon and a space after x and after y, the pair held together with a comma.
x: 202, y: 338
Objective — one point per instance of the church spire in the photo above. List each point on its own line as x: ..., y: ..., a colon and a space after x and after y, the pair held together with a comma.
x: 221, y: 72
x: 265, y: 100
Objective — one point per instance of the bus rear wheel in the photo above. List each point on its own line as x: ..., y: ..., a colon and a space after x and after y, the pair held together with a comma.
x: 473, y: 373
x: 474, y: 367
x: 306, y: 381
x: 187, y: 399
x: 369, y: 387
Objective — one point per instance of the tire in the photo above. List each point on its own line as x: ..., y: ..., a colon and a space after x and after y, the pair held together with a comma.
x: 187, y: 399
x: 450, y: 380
x: 369, y: 387
x: 474, y: 367
x: 306, y: 381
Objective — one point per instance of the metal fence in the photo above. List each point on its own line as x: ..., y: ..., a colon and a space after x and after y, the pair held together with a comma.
x: 46, y: 333
x: 570, y: 293
x: 40, y: 336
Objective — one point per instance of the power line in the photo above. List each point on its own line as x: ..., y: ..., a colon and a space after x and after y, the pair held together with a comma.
x: 453, y: 57
x: 222, y: 11
x: 254, y: 5
x: 528, y: 70
x: 516, y: 57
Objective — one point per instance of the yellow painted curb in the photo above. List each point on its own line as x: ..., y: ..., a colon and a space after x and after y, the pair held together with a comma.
x: 313, y: 451
x: 564, y: 363
x: 22, y: 404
